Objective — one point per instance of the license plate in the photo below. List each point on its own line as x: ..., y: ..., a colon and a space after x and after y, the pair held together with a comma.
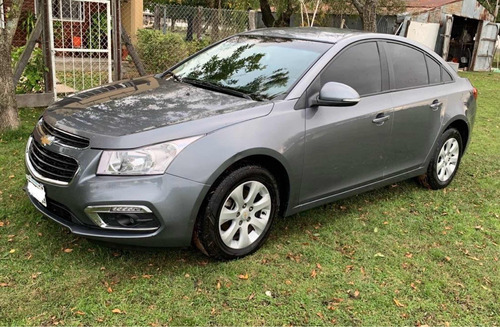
x: 36, y: 190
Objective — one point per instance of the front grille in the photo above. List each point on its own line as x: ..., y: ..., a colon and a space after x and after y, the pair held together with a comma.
x: 64, y: 138
x: 50, y: 164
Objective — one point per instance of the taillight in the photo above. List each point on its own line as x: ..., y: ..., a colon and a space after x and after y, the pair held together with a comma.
x: 474, y: 92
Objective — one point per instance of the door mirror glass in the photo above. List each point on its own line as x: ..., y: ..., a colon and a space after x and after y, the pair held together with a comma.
x: 337, y: 94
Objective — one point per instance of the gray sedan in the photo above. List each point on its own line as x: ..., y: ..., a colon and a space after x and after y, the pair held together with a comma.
x: 265, y: 123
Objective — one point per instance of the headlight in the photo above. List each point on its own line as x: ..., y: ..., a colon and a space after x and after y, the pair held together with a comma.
x: 149, y: 160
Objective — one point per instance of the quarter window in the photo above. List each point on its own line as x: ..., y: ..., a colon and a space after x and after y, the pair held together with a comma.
x: 408, y: 65
x: 434, y: 70
x: 445, y: 75
x: 358, y: 67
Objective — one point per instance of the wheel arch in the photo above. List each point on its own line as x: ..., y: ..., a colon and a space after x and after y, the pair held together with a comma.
x: 461, y: 125
x: 262, y: 157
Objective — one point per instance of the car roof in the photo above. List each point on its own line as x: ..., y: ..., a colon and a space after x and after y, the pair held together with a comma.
x: 318, y: 34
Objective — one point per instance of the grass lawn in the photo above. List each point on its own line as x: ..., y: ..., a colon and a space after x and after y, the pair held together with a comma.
x: 401, y: 255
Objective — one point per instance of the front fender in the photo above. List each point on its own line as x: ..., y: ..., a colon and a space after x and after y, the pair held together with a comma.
x: 279, y: 135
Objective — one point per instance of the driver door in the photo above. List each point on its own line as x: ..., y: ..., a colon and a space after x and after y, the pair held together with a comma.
x: 345, y: 147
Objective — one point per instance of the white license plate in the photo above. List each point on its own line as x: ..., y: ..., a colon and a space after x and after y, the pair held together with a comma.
x: 36, y: 190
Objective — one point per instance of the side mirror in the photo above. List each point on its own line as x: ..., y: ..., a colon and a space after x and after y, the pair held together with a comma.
x: 337, y: 94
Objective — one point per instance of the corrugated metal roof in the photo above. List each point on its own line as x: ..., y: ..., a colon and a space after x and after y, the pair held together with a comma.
x: 428, y: 3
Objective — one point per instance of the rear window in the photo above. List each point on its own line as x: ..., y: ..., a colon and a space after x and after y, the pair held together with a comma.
x: 410, y: 69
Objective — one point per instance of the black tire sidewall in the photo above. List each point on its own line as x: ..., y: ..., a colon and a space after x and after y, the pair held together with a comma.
x: 432, y: 176
x: 213, y: 241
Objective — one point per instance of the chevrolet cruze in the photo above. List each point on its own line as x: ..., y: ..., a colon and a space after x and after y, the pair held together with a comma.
x: 265, y: 123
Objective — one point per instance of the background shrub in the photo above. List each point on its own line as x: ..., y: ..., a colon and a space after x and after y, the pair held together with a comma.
x: 31, y: 80
x: 160, y: 51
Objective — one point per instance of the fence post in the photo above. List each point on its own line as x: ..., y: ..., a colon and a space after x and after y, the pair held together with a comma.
x: 157, y: 18
x: 164, y: 25
x: 116, y: 39
x: 252, y: 22
x: 197, y: 23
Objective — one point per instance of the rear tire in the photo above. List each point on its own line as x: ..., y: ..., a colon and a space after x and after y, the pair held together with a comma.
x: 239, y: 213
x: 444, y: 162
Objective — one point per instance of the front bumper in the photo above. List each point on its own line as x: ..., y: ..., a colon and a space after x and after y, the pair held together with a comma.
x: 173, y: 200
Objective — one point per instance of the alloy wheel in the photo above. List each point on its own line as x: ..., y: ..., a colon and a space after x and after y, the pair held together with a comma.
x: 245, y: 215
x: 448, y: 159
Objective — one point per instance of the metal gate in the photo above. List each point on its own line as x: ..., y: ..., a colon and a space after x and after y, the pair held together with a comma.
x: 80, y: 44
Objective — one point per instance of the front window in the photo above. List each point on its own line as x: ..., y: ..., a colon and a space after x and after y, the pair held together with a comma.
x: 260, y: 67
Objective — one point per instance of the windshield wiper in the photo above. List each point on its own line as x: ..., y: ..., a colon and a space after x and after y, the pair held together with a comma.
x: 216, y: 87
x: 171, y: 73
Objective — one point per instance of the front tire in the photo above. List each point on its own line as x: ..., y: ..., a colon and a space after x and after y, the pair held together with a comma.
x: 239, y: 213
x: 444, y: 162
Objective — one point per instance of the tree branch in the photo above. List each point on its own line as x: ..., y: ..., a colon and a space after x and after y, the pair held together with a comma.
x: 358, y: 5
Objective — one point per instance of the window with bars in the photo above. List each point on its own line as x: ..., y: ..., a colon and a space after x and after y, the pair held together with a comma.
x: 68, y: 10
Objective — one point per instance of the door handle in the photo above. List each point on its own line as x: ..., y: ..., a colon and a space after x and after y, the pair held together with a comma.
x: 381, y: 118
x: 435, y: 105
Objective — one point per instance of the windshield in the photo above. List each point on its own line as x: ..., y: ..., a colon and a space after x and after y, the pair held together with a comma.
x: 258, y: 67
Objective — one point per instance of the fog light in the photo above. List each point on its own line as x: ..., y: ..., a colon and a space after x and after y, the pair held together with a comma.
x: 123, y: 217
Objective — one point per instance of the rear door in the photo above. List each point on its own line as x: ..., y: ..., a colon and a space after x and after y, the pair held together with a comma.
x: 344, y: 147
x: 419, y: 100
x: 485, y: 48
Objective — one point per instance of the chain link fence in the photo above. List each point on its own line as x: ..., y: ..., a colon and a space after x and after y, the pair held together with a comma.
x: 199, y: 23
x: 171, y: 33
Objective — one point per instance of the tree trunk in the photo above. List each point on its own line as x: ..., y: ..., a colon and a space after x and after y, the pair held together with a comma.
x: 267, y: 14
x: 9, y: 118
x: 368, y: 12
x: 8, y: 106
x: 369, y: 16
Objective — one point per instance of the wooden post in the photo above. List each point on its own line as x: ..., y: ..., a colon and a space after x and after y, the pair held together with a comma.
x: 30, y: 45
x: 116, y: 39
x: 157, y: 18
x: 133, y: 54
x: 47, y: 56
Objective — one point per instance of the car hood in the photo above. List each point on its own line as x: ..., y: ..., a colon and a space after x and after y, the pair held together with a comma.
x: 148, y: 110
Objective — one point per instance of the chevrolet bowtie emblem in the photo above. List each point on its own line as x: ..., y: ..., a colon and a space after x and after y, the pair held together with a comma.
x: 47, y: 140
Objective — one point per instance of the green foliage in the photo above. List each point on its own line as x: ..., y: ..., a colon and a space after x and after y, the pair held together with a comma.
x: 57, y: 27
x: 97, y: 33
x: 31, y: 80
x: 159, y: 51
x: 29, y: 23
x: 196, y: 45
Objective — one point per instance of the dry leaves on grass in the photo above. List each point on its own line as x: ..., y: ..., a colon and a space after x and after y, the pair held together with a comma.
x: 118, y: 311
x: 68, y: 250
x: 397, y: 303
x: 354, y: 295
x: 244, y: 277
